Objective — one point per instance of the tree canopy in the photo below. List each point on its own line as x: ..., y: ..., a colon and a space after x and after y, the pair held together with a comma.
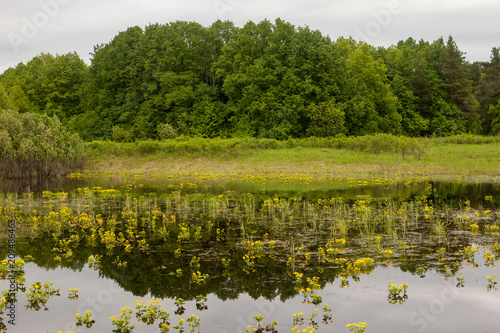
x: 270, y: 80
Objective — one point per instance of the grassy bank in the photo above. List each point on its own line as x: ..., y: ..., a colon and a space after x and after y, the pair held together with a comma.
x: 379, y: 155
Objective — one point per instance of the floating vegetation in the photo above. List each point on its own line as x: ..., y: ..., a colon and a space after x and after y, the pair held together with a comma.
x: 39, y: 294
x: 73, y: 294
x: 397, y: 293
x: 122, y: 321
x: 357, y: 327
x: 491, y: 282
x: 85, y: 320
x: 197, y: 237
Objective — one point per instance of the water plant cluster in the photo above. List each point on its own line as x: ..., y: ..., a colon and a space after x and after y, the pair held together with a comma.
x: 193, y: 236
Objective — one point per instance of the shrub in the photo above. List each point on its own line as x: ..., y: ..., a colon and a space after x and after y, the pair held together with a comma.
x: 37, y: 146
x: 184, y: 145
x: 121, y: 134
x: 148, y: 147
x: 469, y: 139
x: 166, y: 131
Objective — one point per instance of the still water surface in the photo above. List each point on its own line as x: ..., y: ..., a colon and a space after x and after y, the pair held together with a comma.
x: 436, y: 301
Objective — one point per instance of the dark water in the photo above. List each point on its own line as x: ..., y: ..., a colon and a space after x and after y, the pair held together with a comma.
x: 436, y: 301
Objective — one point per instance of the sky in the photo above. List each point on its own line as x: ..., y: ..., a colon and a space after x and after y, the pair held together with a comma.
x: 31, y: 27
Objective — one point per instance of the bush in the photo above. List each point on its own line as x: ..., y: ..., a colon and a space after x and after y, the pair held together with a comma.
x: 470, y: 139
x: 121, y: 134
x: 166, y: 131
x: 37, y: 146
x: 185, y: 145
x: 148, y: 147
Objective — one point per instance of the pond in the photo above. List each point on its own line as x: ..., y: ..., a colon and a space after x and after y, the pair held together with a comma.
x: 250, y: 253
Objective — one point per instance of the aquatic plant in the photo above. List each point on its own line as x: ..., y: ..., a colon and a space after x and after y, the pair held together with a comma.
x: 259, y: 318
x: 85, y: 320
x: 179, y: 302
x: 39, y: 294
x: 311, y: 317
x: 300, y: 243
x: 491, y: 282
x: 180, y: 325
x: 460, y: 282
x: 193, y: 322
x: 344, y: 282
x: 148, y: 313
x: 12, y: 267
x: 327, y: 313
x: 441, y: 254
x: 489, y: 258
x: 201, y: 302
x: 387, y: 253
x: 364, y: 264
x: 421, y: 271
x: 73, y: 294
x: 310, y: 291
x: 357, y: 327
x: 298, y: 318
x: 199, y: 278
x: 304, y: 330
x: 94, y: 261
x: 164, y: 321
x: 397, y: 293
x: 195, y: 263
x: 468, y: 252
x: 122, y: 321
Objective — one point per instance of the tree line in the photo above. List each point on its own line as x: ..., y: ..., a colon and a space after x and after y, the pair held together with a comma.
x: 263, y: 80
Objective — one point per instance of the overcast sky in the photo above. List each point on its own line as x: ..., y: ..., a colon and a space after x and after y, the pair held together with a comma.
x: 30, y: 27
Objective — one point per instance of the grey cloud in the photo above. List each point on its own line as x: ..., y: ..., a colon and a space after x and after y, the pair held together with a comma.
x: 77, y: 25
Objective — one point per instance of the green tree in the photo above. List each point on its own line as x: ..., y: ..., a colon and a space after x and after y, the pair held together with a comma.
x: 372, y: 84
x: 494, y: 114
x: 326, y: 120
x: 48, y: 84
x: 459, y: 89
x: 401, y: 62
x: 271, y: 73
x: 488, y: 90
x: 266, y: 79
x: 434, y: 103
x: 5, y: 102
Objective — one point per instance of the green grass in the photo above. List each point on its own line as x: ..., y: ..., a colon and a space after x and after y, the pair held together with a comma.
x: 440, y: 158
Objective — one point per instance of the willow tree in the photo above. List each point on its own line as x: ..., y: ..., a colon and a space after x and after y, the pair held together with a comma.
x: 37, y: 146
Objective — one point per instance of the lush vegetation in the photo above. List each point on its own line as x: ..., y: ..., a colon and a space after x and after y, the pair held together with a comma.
x: 377, y: 143
x: 205, y: 235
x: 36, y: 146
x: 264, y: 80
x: 360, y: 157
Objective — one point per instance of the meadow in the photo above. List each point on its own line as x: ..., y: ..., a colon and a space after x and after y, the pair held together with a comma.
x: 362, y: 157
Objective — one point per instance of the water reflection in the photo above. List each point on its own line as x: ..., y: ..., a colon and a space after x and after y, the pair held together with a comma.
x: 36, y: 186
x: 275, y: 251
x: 433, y: 305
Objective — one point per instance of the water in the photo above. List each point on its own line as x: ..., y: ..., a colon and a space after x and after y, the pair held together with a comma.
x: 270, y: 230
